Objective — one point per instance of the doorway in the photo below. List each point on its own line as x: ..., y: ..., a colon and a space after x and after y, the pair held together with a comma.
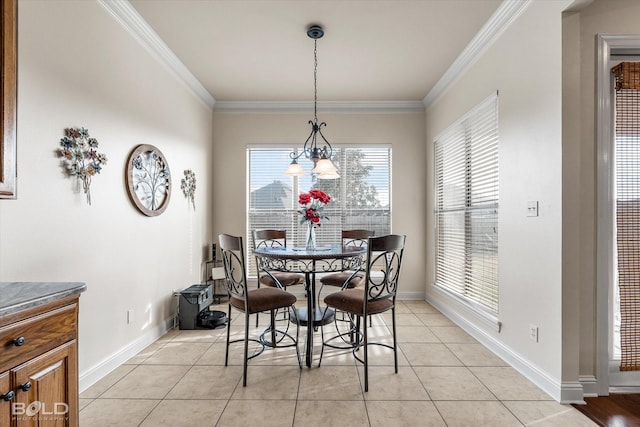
x: 612, y: 50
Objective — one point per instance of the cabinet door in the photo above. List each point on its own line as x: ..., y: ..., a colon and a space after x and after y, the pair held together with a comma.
x: 47, y: 389
x: 5, y: 405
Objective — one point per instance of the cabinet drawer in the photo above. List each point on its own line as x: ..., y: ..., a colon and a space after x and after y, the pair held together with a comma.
x: 38, y: 334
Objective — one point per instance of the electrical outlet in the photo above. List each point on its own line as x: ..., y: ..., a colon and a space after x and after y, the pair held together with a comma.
x: 533, y: 333
x: 532, y: 208
x: 129, y: 317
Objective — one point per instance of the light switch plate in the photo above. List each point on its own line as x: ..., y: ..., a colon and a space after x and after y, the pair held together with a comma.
x: 532, y: 208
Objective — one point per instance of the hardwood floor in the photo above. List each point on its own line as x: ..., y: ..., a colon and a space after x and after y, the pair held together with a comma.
x: 615, y: 410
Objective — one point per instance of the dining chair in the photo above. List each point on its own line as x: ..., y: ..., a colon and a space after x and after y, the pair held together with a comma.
x: 269, y: 238
x: 382, y: 269
x: 347, y: 278
x: 253, y: 301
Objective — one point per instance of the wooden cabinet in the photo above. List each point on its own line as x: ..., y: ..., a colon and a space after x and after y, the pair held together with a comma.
x: 5, y: 404
x: 39, y: 365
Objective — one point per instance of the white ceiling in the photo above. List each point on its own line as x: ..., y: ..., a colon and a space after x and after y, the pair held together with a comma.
x: 373, y: 50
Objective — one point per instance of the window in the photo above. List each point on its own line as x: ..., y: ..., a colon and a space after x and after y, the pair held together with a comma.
x: 466, y: 207
x: 360, y: 198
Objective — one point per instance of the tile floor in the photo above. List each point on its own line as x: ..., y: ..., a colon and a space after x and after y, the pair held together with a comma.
x: 445, y: 378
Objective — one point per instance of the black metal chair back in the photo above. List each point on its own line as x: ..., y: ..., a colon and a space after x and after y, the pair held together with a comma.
x: 357, y: 238
x: 235, y: 273
x: 353, y: 238
x: 384, y: 259
x: 269, y: 238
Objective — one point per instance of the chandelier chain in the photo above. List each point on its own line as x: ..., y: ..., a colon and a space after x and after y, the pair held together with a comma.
x: 321, y: 156
x: 315, y: 79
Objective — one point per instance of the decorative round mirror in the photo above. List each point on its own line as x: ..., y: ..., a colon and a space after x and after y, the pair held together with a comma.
x: 148, y: 180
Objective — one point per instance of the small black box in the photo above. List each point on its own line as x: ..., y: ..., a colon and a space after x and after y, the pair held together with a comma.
x: 193, y: 300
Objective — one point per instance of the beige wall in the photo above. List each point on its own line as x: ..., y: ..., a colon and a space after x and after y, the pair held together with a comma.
x: 524, y: 65
x: 404, y: 131
x: 79, y: 67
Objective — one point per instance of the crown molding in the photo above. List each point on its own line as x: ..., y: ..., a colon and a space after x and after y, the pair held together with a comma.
x: 501, y: 19
x: 132, y: 21
x: 370, y: 107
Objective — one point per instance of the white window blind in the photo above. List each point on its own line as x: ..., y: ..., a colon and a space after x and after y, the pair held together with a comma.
x: 360, y: 198
x: 466, y: 207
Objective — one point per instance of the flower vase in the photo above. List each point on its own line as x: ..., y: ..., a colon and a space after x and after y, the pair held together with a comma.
x: 311, y: 237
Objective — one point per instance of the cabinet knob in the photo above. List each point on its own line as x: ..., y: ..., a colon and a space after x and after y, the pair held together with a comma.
x: 18, y: 341
x: 8, y: 395
x: 26, y: 386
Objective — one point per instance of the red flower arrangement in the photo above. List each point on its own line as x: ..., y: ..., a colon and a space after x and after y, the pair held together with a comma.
x: 312, y: 205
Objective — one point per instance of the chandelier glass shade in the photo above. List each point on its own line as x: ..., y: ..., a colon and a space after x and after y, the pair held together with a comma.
x: 320, y: 155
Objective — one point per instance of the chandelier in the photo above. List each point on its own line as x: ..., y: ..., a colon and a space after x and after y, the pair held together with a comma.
x: 321, y: 156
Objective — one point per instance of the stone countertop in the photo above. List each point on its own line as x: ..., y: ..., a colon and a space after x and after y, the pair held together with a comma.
x: 16, y: 296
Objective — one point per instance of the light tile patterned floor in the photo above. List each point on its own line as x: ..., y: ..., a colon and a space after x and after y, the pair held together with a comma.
x: 445, y: 378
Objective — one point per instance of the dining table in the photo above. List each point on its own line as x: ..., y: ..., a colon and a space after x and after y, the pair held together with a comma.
x: 322, y: 259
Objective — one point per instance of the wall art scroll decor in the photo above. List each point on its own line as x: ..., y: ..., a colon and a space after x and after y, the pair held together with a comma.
x: 188, y: 186
x: 80, y: 157
x: 148, y: 180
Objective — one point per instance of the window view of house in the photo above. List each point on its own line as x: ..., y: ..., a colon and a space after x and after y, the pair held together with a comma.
x: 360, y: 198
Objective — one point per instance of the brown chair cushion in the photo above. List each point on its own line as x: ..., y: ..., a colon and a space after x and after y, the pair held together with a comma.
x: 264, y: 299
x: 352, y: 301
x: 285, y: 279
x: 338, y: 279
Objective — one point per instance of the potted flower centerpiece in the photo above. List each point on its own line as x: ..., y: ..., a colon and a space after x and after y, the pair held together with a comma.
x: 311, y: 210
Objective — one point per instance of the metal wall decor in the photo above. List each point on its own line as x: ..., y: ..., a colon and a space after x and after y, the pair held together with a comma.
x: 188, y: 186
x: 80, y: 157
x: 148, y: 180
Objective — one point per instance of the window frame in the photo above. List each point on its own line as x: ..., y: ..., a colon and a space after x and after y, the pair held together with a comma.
x: 470, y: 293
x: 330, y: 232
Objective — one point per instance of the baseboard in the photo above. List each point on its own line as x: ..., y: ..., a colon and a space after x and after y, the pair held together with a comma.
x: 411, y: 296
x: 589, y: 385
x: 624, y: 389
x: 616, y: 380
x: 572, y: 392
x: 622, y: 381
x: 540, y: 378
x: 100, y: 370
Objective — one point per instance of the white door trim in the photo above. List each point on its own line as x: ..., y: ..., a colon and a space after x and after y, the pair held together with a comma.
x: 604, y: 202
